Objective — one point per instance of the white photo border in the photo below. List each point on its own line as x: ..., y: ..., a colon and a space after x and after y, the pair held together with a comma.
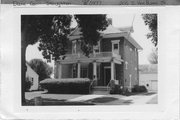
x: 168, y: 66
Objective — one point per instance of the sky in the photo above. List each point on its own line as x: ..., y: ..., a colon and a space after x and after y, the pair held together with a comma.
x: 118, y: 20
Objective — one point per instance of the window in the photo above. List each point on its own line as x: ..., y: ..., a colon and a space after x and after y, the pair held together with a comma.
x: 74, y: 47
x: 74, y: 70
x: 135, y: 68
x: 126, y: 65
x: 84, y: 72
x: 97, y: 48
x: 135, y: 51
x: 115, y: 46
x: 130, y: 49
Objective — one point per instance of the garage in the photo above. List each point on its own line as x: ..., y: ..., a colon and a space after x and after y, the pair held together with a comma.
x: 154, y: 85
x: 148, y: 77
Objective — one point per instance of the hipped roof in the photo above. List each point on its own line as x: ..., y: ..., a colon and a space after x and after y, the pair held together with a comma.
x: 110, y: 32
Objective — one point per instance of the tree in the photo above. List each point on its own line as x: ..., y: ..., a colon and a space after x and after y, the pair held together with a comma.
x: 41, y: 68
x: 90, y: 26
x: 28, y: 84
x: 32, y: 26
x: 153, y: 57
x: 151, y: 21
x: 52, y: 32
x: 54, y: 44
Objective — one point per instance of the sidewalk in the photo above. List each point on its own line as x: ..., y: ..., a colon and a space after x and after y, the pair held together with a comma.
x: 85, y: 98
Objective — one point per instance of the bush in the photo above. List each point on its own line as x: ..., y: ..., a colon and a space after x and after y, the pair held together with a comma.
x: 114, y: 88
x: 28, y: 84
x: 138, y: 88
x: 66, y: 86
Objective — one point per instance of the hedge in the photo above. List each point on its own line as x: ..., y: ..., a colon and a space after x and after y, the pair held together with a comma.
x: 67, y: 86
x: 28, y: 84
x: 138, y: 88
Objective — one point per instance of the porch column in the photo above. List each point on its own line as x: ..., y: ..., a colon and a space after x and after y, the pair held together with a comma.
x: 95, y: 70
x: 79, y: 70
x: 60, y: 71
x: 112, y: 70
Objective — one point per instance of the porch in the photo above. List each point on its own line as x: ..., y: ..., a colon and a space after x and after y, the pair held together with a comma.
x: 101, y: 67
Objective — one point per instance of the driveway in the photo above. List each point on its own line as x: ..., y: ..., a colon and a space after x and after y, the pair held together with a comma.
x: 93, y: 99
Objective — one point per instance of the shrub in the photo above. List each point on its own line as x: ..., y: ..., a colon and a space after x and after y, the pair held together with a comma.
x: 28, y: 84
x: 66, y: 86
x: 138, y: 88
x: 114, y: 88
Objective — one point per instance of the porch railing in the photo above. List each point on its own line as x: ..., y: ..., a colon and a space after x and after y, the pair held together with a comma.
x: 92, y: 84
x: 93, y: 55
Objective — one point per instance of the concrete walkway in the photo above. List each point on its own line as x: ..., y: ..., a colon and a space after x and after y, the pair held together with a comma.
x: 85, y: 98
x: 139, y: 99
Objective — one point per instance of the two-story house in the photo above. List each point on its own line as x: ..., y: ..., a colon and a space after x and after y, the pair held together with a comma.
x: 114, y: 58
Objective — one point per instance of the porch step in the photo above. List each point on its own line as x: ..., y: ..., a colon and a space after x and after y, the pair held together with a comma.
x: 100, y: 88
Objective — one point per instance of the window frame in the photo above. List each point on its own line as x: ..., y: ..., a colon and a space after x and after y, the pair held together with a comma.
x: 83, y: 70
x: 113, y: 43
x: 97, y: 47
x: 74, y: 47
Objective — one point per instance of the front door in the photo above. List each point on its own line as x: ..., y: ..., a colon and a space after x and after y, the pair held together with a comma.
x: 107, y: 76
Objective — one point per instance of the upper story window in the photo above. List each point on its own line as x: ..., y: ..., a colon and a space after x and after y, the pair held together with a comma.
x: 135, y: 51
x: 130, y: 49
x: 126, y: 65
x: 115, y: 46
x: 74, y: 47
x: 96, y: 49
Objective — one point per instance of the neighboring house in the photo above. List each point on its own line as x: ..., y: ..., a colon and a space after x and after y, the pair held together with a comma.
x: 114, y: 58
x: 148, y: 76
x: 33, y: 77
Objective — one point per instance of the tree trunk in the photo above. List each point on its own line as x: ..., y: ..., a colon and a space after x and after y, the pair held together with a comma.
x: 23, y: 70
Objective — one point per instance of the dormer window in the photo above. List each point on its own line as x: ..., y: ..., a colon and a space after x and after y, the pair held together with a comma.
x: 74, y: 47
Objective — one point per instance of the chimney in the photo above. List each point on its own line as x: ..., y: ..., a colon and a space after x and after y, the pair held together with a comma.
x: 109, y: 21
